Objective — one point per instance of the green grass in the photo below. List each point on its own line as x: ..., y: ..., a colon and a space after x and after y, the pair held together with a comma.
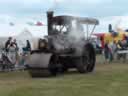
x: 106, y: 80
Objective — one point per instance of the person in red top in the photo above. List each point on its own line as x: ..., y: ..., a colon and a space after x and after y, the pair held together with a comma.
x: 102, y: 42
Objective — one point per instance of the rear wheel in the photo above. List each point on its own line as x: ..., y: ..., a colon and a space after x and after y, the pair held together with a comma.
x: 91, y: 58
x: 81, y: 65
x: 86, y: 62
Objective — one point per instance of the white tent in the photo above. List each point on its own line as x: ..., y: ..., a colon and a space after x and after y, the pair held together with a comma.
x: 22, y: 33
x: 22, y: 37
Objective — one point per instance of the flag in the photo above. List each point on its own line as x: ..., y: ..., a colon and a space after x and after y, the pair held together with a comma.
x: 30, y: 23
x: 39, y: 24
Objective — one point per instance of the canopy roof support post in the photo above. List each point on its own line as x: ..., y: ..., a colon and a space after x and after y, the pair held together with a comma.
x: 87, y: 30
x: 92, y: 31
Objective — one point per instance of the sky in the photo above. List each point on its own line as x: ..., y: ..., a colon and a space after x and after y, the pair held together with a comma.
x: 21, y: 11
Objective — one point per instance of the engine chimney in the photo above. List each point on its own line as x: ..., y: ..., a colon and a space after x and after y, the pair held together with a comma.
x: 49, y: 22
x: 110, y: 28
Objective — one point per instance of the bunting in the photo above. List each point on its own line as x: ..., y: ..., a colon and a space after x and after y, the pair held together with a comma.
x: 39, y: 23
x: 30, y: 23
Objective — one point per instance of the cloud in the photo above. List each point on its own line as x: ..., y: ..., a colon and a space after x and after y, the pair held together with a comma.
x: 4, y: 18
x: 58, y: 1
x: 89, y: 7
x: 7, y: 30
x: 80, y: 1
x: 20, y: 22
x: 21, y: 7
x: 116, y: 21
x: 21, y: 11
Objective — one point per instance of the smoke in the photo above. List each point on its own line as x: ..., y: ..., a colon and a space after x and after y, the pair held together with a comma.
x: 55, y: 5
x: 73, y: 39
x: 77, y: 31
x: 59, y: 1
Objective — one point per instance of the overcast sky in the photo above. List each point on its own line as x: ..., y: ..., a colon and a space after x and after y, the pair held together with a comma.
x: 22, y: 11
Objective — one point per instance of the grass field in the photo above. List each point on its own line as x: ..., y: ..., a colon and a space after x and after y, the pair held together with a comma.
x: 106, y: 80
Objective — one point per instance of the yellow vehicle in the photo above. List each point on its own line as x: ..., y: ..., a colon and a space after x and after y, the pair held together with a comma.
x: 111, y: 36
x: 115, y: 35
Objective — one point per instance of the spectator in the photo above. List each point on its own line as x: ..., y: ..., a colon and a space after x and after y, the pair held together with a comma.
x: 15, y: 43
x: 12, y: 53
x: 119, y: 45
x: 26, y: 49
x: 107, y: 52
x: 122, y: 45
x: 113, y: 48
x: 110, y: 52
x: 106, y: 49
x: 7, y: 43
x: 17, y: 49
x: 28, y: 46
x: 26, y: 52
x: 102, y: 42
x: 126, y: 38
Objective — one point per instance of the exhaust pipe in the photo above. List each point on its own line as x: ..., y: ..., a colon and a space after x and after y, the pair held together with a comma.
x: 49, y: 22
x: 110, y: 28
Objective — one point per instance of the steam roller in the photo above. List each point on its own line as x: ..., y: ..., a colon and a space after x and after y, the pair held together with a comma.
x: 66, y: 46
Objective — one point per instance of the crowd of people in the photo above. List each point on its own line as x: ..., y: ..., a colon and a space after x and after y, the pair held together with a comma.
x: 11, y: 50
x: 110, y: 49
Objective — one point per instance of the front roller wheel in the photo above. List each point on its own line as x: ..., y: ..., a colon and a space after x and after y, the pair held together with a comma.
x: 41, y: 72
x: 34, y: 73
x: 53, y: 65
x: 41, y: 65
